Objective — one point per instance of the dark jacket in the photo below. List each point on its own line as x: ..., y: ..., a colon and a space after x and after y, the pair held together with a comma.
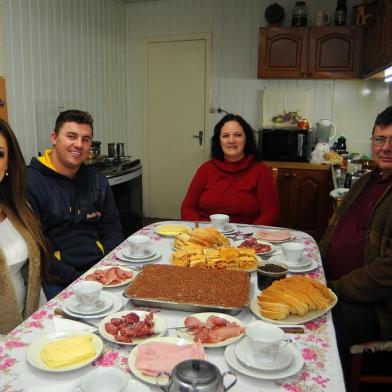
x: 371, y: 283
x: 78, y: 216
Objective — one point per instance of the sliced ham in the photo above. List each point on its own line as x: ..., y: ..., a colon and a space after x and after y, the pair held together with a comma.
x: 273, y: 235
x: 110, y: 276
x: 213, y: 330
x: 156, y: 357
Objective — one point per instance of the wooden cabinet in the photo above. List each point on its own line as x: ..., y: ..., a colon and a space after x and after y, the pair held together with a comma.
x: 377, y: 53
x: 329, y: 52
x: 3, y: 100
x: 304, y: 198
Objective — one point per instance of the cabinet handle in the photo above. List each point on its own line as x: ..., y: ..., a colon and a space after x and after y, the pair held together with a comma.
x: 293, y: 175
x: 286, y: 175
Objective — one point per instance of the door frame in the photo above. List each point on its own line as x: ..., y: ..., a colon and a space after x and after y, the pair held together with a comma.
x: 207, y: 37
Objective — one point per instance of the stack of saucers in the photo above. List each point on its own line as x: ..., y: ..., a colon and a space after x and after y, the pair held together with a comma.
x: 149, y: 254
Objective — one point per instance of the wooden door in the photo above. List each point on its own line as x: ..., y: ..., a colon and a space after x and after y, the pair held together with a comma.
x: 3, y: 100
x: 177, y: 89
x: 283, y: 52
x: 334, y: 52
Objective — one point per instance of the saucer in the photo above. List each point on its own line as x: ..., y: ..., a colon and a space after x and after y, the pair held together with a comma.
x: 310, y: 265
x: 148, y: 252
x: 245, y: 354
x: 120, y: 255
x: 117, y: 304
x: 103, y: 304
x: 302, y: 262
x: 228, y: 229
x: 294, y: 367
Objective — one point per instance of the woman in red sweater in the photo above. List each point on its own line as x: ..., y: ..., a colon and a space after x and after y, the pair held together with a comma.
x: 234, y: 182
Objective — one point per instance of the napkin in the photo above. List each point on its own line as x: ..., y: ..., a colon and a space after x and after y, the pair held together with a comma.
x: 62, y: 324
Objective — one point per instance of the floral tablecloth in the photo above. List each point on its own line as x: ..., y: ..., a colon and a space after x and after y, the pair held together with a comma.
x: 321, y: 372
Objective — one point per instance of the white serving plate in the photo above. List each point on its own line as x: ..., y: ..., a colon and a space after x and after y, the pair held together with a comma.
x: 294, y: 319
x: 106, y: 267
x: 203, y: 317
x: 160, y: 327
x: 35, y: 348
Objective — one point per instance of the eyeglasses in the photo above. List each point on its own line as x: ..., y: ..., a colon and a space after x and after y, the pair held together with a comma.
x: 379, y: 141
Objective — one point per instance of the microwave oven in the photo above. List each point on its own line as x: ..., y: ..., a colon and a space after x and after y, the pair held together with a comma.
x: 285, y: 144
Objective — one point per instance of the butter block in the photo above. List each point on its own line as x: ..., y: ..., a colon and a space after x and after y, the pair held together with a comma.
x: 172, y: 229
x: 68, y: 351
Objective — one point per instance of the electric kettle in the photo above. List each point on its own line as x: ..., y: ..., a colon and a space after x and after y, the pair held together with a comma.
x: 196, y: 375
x: 325, y: 131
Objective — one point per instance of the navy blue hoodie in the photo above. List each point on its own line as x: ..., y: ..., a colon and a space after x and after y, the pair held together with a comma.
x: 78, y: 216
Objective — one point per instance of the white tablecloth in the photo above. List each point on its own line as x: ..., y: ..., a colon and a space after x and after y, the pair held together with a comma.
x: 321, y: 372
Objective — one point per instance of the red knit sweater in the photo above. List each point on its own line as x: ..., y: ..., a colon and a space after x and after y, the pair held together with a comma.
x: 244, y: 190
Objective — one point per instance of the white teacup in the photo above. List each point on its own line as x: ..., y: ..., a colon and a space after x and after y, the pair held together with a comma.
x: 292, y: 251
x: 266, y: 340
x: 104, y: 379
x: 87, y: 293
x: 219, y: 221
x: 138, y: 244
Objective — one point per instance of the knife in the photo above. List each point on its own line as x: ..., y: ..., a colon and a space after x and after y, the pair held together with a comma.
x: 293, y: 329
x: 60, y: 312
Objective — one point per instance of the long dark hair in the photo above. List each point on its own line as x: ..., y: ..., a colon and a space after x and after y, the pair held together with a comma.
x: 13, y: 192
x: 250, y: 140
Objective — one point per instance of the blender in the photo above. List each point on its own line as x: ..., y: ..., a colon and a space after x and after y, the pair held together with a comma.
x: 325, y: 131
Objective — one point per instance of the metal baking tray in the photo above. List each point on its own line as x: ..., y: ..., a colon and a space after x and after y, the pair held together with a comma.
x: 193, y: 308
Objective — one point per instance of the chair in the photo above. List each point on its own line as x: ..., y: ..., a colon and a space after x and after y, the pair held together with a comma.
x: 371, y: 354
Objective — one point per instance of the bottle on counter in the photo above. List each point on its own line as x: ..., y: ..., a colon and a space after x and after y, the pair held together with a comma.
x: 341, y: 13
x: 300, y: 14
x: 341, y: 145
x: 339, y: 176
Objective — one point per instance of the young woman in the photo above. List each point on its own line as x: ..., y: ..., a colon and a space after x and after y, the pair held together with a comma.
x: 234, y: 181
x: 22, y: 246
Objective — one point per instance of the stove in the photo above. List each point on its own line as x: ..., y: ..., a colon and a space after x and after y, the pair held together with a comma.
x: 125, y: 178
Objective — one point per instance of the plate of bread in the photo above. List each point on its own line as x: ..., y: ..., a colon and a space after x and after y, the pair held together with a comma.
x: 293, y: 300
x: 201, y: 237
x: 241, y: 259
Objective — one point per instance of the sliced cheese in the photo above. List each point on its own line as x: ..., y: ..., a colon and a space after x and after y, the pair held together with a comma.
x: 172, y: 230
x: 68, y: 351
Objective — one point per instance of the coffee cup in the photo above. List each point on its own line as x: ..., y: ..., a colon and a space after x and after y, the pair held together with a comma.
x: 220, y: 221
x: 268, y: 272
x: 266, y: 340
x: 292, y: 251
x: 104, y: 379
x: 322, y: 18
x: 87, y: 293
x: 138, y: 244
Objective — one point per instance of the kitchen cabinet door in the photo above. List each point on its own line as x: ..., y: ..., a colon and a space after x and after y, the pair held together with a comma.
x: 330, y: 52
x: 334, y: 52
x: 377, y: 53
x: 283, y: 52
x: 304, y: 200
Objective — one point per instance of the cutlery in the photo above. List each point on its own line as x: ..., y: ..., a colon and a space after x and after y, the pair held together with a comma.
x: 60, y: 312
x: 240, y: 236
x: 298, y: 329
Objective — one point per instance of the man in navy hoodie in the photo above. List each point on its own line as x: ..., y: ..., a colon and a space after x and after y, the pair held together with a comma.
x: 73, y: 201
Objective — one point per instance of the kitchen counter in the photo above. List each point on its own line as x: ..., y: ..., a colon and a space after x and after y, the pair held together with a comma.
x: 298, y: 165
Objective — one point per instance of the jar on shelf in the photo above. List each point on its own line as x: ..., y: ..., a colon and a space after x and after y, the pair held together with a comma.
x: 300, y: 14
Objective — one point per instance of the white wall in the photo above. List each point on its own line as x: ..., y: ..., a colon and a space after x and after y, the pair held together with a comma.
x: 65, y: 53
x: 234, y: 24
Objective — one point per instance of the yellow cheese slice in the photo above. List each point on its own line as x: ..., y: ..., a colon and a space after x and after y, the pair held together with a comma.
x: 68, y: 351
x: 171, y: 229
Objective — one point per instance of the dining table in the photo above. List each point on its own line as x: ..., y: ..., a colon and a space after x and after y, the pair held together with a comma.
x: 321, y: 370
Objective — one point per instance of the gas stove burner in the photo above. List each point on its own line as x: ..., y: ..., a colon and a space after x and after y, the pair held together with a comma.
x: 115, y: 166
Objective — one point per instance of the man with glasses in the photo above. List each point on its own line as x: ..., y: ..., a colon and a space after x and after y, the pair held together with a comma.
x: 357, y: 250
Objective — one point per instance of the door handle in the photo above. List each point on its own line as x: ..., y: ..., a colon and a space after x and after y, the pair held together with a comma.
x: 200, y: 137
